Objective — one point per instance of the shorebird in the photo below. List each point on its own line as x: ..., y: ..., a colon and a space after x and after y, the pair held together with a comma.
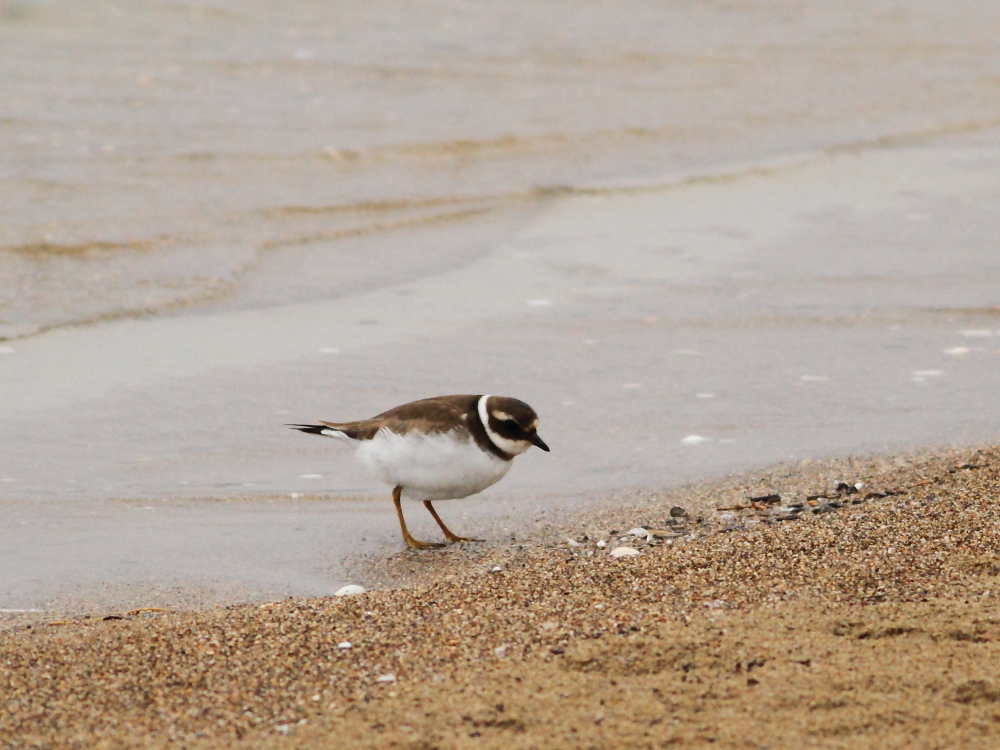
x: 441, y: 448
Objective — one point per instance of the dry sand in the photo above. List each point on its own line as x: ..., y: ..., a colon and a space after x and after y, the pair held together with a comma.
x: 869, y: 620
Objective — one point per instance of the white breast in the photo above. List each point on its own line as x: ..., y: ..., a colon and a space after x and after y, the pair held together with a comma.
x: 432, y: 467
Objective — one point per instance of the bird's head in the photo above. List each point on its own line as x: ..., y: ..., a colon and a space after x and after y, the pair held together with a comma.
x: 511, y: 424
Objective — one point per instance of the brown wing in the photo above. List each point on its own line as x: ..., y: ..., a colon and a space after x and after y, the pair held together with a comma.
x: 431, y: 415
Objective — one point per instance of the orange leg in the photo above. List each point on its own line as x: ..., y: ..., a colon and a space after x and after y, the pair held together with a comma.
x: 447, y: 532
x: 397, y: 497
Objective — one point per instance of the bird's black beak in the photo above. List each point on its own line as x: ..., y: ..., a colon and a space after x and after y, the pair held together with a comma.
x: 535, y: 440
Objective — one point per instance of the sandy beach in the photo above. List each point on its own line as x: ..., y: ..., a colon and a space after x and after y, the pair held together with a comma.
x: 845, y: 604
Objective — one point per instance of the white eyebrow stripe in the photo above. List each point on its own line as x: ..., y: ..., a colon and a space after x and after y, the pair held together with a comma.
x: 503, y: 416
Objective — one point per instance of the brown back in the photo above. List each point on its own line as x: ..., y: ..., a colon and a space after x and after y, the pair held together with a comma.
x: 431, y: 415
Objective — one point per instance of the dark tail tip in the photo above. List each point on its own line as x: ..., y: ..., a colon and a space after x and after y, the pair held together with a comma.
x: 312, y: 429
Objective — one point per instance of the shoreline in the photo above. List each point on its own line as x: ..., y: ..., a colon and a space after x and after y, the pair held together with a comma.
x: 394, y: 568
x: 873, y: 623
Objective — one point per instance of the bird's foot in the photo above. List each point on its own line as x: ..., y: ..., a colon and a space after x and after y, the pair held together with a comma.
x: 452, y: 538
x: 417, y: 544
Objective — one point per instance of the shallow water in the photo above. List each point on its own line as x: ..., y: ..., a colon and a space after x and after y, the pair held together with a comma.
x: 771, y: 227
x: 183, y: 155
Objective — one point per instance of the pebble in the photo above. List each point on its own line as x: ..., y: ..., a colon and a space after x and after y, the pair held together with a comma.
x: 639, y: 532
x: 624, y: 552
x: 349, y: 590
x: 344, y: 645
x: 678, y: 512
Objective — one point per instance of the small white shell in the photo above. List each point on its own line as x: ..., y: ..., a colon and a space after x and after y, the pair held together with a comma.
x: 637, y: 531
x: 390, y: 677
x: 624, y: 552
x: 344, y: 645
x: 572, y: 542
x: 695, y: 440
x: 350, y: 589
x: 602, y: 544
x: 975, y: 332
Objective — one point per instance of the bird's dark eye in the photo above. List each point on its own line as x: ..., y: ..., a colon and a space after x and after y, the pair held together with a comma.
x: 511, y: 425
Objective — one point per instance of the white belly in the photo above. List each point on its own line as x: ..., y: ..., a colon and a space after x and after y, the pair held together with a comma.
x: 431, y: 467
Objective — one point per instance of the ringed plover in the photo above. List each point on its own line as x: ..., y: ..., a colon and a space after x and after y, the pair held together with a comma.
x: 441, y: 448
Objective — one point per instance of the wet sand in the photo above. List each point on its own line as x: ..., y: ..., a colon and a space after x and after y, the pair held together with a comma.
x: 774, y: 311
x: 853, y: 603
